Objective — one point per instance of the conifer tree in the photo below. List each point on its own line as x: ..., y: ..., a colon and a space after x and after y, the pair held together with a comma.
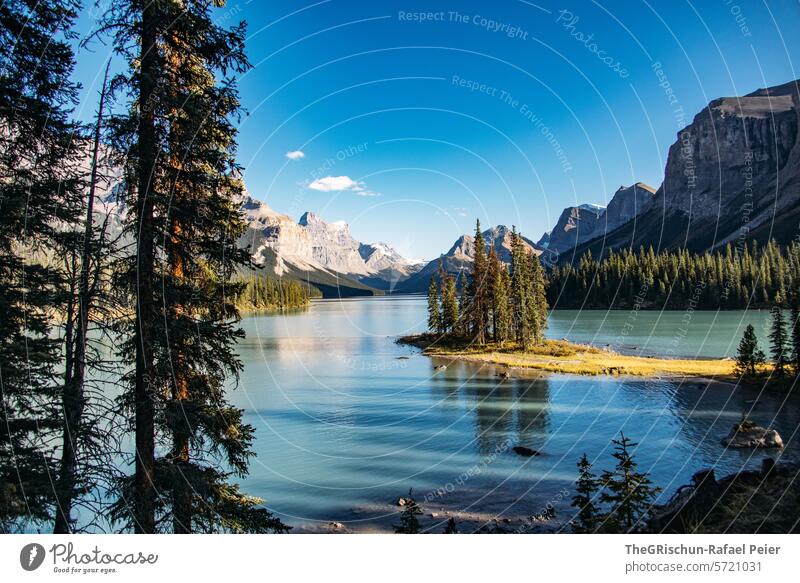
x: 502, y: 312
x: 87, y: 436
x: 476, y: 305
x: 538, y: 299
x: 586, y: 489
x: 185, y: 196
x: 434, y: 307
x: 749, y: 356
x: 522, y: 303
x: 409, y: 523
x: 778, y: 337
x: 39, y: 194
x: 450, y: 308
x: 630, y: 493
x: 492, y: 275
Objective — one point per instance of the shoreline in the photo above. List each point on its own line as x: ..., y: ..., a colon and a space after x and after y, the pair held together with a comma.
x: 560, y: 356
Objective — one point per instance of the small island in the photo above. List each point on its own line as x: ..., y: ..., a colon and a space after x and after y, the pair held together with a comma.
x: 497, y: 314
x: 560, y: 356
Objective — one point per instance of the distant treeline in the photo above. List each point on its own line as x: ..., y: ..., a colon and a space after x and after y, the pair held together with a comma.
x: 733, y: 278
x: 262, y: 294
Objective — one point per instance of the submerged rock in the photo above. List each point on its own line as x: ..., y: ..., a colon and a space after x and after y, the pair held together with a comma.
x: 748, y: 434
x: 505, y: 375
x: 525, y: 451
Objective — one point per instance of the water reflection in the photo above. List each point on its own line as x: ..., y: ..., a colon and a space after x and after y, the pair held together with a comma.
x: 347, y: 420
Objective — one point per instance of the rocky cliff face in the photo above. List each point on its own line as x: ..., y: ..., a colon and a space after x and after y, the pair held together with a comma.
x: 733, y: 174
x: 575, y: 225
x: 625, y: 205
x: 320, y: 250
x: 739, y: 159
x: 332, y: 245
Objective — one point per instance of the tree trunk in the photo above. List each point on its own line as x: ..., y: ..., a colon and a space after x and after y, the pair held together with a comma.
x: 74, y: 400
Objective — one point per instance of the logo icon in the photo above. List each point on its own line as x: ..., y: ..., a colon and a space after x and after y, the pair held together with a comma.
x: 31, y: 556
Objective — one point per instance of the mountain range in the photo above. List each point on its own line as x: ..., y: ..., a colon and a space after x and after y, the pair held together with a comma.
x: 732, y: 174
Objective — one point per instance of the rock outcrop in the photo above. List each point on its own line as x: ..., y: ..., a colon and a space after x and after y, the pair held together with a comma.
x: 749, y: 435
x: 578, y: 224
x: 575, y: 225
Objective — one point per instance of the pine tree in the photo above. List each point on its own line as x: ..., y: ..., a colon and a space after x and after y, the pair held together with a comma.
x: 629, y: 492
x: 749, y: 355
x: 450, y: 308
x: 186, y: 219
x: 434, y: 308
x: 539, y: 307
x: 409, y: 524
x: 586, y: 489
x: 502, y: 317
x: 476, y: 304
x: 85, y: 442
x: 492, y: 280
x: 778, y: 337
x: 522, y: 307
x: 39, y: 193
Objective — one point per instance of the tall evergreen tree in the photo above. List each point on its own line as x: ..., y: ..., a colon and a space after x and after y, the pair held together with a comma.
x: 39, y: 194
x: 434, y: 307
x: 450, y: 308
x: 522, y: 303
x: 749, y: 356
x: 586, y: 490
x: 492, y: 279
x: 87, y: 438
x: 180, y: 138
x: 778, y: 337
x: 538, y: 303
x: 629, y: 492
x: 502, y: 310
x: 476, y: 305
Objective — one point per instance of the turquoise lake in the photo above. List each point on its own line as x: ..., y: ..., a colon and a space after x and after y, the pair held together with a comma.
x: 347, y: 421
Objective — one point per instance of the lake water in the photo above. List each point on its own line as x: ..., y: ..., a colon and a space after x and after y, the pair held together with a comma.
x: 347, y: 420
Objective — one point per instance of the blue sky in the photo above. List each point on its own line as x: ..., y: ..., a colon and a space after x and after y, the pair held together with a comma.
x: 414, y: 118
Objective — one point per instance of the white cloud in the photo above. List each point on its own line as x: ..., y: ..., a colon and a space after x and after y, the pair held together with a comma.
x: 335, y: 184
x: 296, y: 155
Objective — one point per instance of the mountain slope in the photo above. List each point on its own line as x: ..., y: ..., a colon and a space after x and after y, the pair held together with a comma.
x: 732, y: 174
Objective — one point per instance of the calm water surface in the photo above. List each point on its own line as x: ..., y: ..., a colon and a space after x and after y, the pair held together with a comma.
x: 347, y: 420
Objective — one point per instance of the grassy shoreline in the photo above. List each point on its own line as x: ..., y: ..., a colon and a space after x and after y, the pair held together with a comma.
x: 559, y: 356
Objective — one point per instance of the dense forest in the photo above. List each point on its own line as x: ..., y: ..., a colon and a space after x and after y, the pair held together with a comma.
x: 265, y: 294
x: 733, y: 278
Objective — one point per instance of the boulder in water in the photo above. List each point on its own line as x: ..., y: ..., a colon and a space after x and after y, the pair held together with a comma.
x: 747, y: 434
x: 525, y: 451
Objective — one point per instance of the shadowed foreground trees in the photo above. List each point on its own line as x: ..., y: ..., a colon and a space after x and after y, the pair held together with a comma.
x: 184, y: 188
x: 40, y: 189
